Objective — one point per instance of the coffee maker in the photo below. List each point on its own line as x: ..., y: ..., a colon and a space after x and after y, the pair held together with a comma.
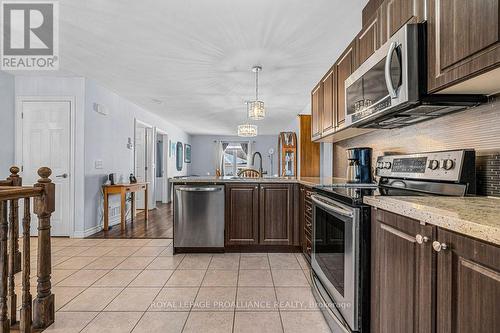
x: 359, y: 165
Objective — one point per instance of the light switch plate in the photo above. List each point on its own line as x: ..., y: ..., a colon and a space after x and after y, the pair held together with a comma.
x: 98, y: 164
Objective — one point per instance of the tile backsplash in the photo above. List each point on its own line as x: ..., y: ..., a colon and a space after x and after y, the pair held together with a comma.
x: 488, y: 174
x: 477, y: 128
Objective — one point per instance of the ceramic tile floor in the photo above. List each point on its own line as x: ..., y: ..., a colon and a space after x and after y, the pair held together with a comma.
x: 138, y: 285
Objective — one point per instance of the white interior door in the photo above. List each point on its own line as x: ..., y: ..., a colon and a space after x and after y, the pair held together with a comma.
x: 164, y: 185
x: 150, y: 166
x: 46, y: 141
x: 140, y: 162
x: 161, y: 184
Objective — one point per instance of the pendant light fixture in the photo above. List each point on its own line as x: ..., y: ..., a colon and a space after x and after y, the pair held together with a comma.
x: 255, y: 108
x: 247, y: 130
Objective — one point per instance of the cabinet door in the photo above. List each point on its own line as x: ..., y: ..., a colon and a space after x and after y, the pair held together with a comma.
x: 316, y: 111
x: 397, y: 13
x: 463, y: 40
x: 276, y: 214
x: 343, y: 68
x: 468, y: 285
x: 242, y: 214
x: 327, y: 119
x: 368, y: 40
x: 402, y: 274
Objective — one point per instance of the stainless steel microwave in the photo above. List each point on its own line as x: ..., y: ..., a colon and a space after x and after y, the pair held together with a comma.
x: 389, y: 89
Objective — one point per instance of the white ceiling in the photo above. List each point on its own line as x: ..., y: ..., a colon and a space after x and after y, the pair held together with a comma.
x: 196, y: 55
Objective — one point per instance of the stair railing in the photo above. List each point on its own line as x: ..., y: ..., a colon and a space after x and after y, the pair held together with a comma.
x: 38, y: 313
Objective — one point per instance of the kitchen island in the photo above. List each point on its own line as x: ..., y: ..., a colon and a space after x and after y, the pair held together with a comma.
x: 260, y: 214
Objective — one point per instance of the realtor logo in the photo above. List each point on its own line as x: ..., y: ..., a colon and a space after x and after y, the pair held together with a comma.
x: 30, y: 35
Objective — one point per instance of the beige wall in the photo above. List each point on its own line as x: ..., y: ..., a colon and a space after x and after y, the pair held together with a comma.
x: 477, y: 128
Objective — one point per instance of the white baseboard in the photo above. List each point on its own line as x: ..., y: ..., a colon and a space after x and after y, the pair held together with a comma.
x: 87, y: 232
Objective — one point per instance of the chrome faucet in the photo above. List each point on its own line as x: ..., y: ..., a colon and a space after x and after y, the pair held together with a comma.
x: 261, y: 171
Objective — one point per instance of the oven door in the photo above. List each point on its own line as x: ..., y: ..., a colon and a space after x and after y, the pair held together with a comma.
x: 335, y: 254
x: 386, y: 81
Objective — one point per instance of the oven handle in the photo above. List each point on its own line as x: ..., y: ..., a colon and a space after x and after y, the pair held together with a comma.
x: 331, y: 206
x: 388, y: 80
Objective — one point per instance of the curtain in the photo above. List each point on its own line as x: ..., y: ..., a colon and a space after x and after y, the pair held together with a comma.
x: 218, y: 153
x: 245, y: 147
x: 250, y: 150
x: 220, y: 147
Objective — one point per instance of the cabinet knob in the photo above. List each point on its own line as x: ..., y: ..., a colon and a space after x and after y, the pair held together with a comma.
x: 437, y: 246
x: 421, y: 239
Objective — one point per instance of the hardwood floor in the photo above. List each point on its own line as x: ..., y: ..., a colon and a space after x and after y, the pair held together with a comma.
x: 159, y: 225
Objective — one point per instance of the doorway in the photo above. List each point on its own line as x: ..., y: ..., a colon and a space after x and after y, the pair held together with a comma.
x: 44, y: 137
x: 162, y: 147
x: 144, y: 162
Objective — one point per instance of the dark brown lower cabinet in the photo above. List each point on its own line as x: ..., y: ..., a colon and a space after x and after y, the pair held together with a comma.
x: 276, y: 214
x: 242, y: 214
x: 402, y: 274
x: 260, y: 214
x: 468, y: 285
x: 427, y: 279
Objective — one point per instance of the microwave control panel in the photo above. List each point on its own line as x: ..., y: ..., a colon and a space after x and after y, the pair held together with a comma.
x: 444, y: 166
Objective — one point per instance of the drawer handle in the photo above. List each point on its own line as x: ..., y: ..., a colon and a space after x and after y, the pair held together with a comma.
x: 437, y: 246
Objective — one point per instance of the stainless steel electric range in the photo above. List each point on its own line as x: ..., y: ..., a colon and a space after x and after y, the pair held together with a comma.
x: 340, y: 257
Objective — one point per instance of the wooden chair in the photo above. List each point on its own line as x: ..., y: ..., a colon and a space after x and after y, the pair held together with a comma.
x: 249, y: 173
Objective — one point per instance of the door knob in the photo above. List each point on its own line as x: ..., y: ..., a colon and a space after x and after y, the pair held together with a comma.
x: 64, y: 175
x: 437, y: 246
x: 421, y: 239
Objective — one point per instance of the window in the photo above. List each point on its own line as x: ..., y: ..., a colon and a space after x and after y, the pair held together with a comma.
x: 235, y: 158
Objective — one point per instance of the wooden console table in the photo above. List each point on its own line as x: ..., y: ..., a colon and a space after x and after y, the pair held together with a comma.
x: 123, y: 189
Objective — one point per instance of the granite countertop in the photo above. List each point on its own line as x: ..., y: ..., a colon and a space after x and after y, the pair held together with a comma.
x: 308, y: 181
x: 477, y: 217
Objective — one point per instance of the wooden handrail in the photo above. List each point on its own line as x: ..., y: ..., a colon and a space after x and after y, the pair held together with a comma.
x: 14, y: 193
x: 39, y: 313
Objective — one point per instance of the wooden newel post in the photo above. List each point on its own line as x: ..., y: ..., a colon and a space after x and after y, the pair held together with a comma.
x: 14, y: 218
x: 43, y: 305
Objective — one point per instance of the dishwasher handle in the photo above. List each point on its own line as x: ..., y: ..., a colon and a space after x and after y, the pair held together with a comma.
x: 199, y: 189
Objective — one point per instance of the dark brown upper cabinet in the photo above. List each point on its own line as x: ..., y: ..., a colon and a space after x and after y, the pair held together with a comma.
x: 276, y: 214
x: 327, y: 119
x: 242, y: 214
x: 402, y: 274
x: 343, y: 68
x: 468, y: 285
x: 397, y: 13
x: 316, y: 111
x: 463, y: 41
x: 368, y: 40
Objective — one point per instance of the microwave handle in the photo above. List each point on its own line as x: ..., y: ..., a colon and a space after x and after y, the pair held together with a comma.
x: 388, y: 80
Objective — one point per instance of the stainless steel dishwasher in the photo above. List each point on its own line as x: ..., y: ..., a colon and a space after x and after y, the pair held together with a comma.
x: 198, y: 216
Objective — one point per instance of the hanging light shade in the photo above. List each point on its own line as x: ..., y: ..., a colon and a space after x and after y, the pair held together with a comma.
x: 247, y: 130
x: 255, y: 108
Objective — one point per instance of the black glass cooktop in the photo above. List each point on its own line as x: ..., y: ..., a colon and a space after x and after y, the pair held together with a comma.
x: 350, y: 194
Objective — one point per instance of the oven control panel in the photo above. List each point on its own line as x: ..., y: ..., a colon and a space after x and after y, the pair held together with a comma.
x: 444, y: 165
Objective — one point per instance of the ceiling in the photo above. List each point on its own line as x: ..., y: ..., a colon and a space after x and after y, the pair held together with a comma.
x: 195, y: 56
